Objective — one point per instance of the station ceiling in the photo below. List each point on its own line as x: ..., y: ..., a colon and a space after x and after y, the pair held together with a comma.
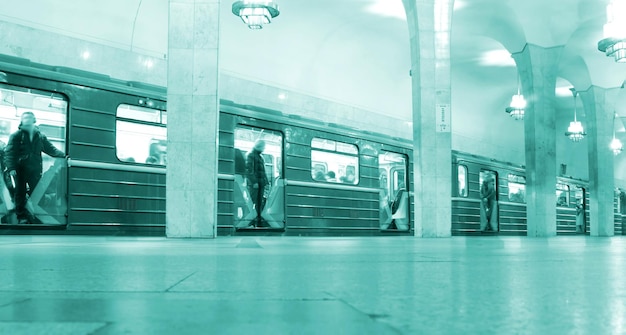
x: 357, y: 51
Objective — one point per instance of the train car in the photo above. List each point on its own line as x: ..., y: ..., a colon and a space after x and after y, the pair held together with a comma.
x: 323, y: 178
x: 107, y: 126
x: 620, y: 211
x: 509, y: 213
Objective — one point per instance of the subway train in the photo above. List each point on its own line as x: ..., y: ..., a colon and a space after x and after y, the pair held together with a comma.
x: 509, y: 215
x: 324, y: 179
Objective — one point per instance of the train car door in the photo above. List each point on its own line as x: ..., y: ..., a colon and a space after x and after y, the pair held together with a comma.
x: 259, y: 194
x: 489, y: 214
x: 581, y: 205
x: 394, y: 194
x: 40, y: 187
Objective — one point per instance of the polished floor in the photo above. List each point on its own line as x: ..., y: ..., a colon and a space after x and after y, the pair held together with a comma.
x: 296, y: 285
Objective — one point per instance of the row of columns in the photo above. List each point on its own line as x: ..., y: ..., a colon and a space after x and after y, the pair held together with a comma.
x: 193, y: 111
x: 538, y: 68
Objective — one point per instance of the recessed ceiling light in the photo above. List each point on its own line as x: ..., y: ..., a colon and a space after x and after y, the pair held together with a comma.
x: 563, y: 91
x: 500, y: 57
x: 85, y: 55
x: 459, y: 4
x: 282, y: 96
x: 387, y: 8
x: 148, y: 63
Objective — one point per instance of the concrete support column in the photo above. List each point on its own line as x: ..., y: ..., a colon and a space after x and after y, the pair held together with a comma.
x: 429, y: 29
x: 192, y: 125
x: 538, y: 70
x: 601, y: 174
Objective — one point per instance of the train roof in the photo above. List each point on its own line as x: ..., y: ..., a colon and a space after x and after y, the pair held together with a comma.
x: 464, y: 156
x: 297, y: 120
x: 68, y: 75
x: 79, y: 77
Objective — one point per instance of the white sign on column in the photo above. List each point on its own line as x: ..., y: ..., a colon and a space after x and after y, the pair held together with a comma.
x: 443, y: 118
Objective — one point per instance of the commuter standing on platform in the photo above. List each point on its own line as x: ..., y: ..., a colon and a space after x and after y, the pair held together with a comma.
x: 257, y: 179
x: 488, y: 196
x: 24, y: 163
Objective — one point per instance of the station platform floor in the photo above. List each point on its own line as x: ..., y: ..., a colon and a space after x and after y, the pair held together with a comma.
x: 299, y: 285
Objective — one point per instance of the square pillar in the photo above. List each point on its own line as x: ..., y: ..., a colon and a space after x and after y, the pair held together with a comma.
x: 192, y: 125
x: 538, y: 68
x: 601, y: 165
x: 429, y: 31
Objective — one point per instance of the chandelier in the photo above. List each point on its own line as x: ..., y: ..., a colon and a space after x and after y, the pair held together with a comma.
x: 518, y: 103
x: 575, y: 131
x: 614, y: 42
x: 616, y: 144
x: 256, y: 13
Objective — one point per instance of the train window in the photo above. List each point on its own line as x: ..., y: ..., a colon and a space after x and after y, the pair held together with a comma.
x: 340, y: 160
x: 142, y: 114
x: 517, y: 188
x: 141, y: 135
x: 562, y: 195
x: 462, y: 181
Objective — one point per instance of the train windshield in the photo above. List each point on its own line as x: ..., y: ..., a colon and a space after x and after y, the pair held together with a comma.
x: 37, y: 197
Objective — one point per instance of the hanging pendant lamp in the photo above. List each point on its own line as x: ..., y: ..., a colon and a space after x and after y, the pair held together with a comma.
x: 575, y: 131
x: 518, y: 103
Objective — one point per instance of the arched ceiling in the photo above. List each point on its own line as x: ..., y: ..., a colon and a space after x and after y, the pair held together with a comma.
x: 356, y: 51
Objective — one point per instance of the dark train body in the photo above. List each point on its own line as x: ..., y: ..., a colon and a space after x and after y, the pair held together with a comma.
x: 571, y: 198
x: 323, y: 178
x: 114, y: 182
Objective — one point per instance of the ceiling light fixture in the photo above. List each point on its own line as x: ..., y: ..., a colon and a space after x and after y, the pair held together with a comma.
x: 256, y: 13
x: 614, y: 42
x: 518, y: 103
x: 575, y: 131
x: 616, y: 144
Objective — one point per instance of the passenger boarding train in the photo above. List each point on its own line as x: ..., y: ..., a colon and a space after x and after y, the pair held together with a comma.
x: 324, y: 178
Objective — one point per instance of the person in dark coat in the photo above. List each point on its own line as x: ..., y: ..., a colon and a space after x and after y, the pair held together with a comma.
x: 488, y: 195
x: 24, y: 162
x: 257, y: 179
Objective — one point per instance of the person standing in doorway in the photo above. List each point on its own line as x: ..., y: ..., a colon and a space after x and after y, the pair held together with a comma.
x: 488, y: 196
x: 24, y: 162
x: 257, y: 179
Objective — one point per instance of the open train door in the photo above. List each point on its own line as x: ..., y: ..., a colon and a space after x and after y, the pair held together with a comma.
x: 580, y: 196
x: 394, y: 194
x: 489, y: 207
x: 46, y: 199
x: 258, y: 208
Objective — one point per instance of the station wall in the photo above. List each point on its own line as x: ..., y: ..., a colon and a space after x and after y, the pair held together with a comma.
x: 55, y: 49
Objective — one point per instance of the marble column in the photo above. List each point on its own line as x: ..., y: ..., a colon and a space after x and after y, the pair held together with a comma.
x: 601, y: 174
x: 192, y: 125
x: 429, y: 31
x: 538, y: 68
